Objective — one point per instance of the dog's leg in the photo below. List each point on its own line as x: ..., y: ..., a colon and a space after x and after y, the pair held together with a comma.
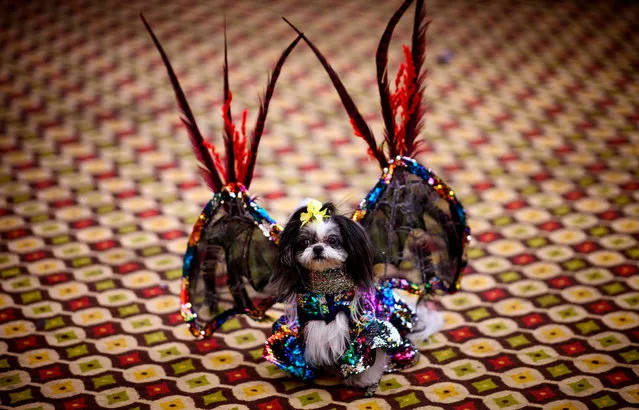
x: 370, y: 377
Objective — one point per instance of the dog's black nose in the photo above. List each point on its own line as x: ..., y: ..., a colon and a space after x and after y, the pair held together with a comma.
x: 318, y: 249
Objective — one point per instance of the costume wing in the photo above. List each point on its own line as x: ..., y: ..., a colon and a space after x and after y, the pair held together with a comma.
x: 228, y: 262
x: 417, y: 226
x: 230, y: 252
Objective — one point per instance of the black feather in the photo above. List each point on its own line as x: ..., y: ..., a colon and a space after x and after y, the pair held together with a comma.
x: 351, y: 109
x: 418, y: 51
x: 261, y: 116
x: 228, y: 131
x: 206, y: 165
x: 381, y: 60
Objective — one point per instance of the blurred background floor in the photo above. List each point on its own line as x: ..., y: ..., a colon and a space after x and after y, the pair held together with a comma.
x: 532, y: 119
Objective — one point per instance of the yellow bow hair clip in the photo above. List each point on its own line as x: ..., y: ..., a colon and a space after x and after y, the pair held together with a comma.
x: 313, y: 211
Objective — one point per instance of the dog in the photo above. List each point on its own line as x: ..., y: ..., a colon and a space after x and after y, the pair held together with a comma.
x: 330, y: 257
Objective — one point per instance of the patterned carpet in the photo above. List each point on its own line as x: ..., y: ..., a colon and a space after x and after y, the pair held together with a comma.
x: 532, y: 118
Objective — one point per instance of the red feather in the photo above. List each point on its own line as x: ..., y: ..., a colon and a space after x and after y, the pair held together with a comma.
x: 239, y: 148
x: 236, y: 148
x: 418, y: 50
x: 403, y: 110
x: 403, y: 101
x: 381, y: 62
x: 219, y: 165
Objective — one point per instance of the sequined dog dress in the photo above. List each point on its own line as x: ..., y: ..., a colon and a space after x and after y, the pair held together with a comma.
x: 384, y: 326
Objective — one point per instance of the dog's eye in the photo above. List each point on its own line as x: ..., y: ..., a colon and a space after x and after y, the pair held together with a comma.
x: 332, y: 241
x: 305, y: 243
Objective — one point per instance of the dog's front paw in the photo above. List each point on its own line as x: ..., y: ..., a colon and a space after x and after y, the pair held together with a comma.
x: 370, y: 377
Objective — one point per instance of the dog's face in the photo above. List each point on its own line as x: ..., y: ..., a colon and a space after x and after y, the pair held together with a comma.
x: 328, y: 241
x: 319, y: 246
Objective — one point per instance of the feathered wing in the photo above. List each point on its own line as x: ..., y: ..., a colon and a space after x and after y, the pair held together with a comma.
x: 230, y: 253
x: 206, y: 165
x: 417, y: 226
x: 228, y: 262
x: 416, y: 223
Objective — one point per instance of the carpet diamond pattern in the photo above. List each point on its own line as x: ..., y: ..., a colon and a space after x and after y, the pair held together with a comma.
x: 532, y: 117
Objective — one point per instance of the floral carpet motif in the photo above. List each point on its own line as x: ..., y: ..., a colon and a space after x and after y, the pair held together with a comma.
x: 532, y: 118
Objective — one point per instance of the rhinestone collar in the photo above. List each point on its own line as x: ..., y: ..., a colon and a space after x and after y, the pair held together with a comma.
x: 330, y: 281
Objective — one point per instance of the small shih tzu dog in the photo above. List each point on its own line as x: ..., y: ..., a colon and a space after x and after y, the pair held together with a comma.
x: 325, y: 275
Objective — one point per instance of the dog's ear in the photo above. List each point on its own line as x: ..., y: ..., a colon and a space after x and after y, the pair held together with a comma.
x: 357, y: 244
x: 287, y: 276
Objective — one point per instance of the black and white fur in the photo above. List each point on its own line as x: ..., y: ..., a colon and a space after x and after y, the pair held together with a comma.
x: 333, y: 242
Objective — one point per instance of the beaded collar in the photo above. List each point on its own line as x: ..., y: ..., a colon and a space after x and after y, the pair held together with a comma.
x: 330, y: 281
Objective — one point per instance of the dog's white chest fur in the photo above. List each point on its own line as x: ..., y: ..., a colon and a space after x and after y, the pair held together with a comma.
x: 326, y: 342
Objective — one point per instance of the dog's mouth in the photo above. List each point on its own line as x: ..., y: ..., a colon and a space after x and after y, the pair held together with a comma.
x: 318, y: 257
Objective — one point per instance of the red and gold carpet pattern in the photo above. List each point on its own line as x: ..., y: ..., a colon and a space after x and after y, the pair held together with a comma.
x: 532, y: 117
